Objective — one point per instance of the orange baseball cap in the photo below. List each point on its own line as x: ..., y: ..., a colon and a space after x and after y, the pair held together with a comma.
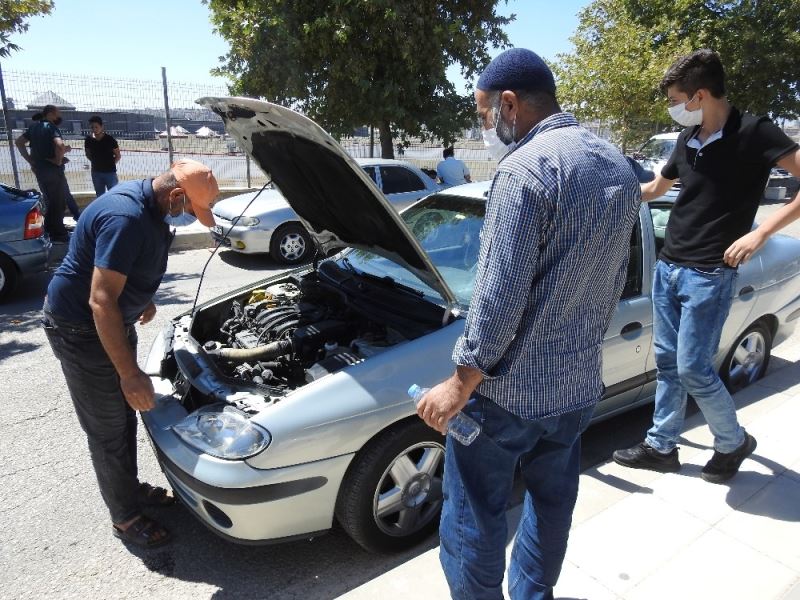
x: 200, y: 187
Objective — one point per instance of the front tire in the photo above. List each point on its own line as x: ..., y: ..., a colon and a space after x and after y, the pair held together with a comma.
x: 391, y: 496
x: 9, y: 277
x: 748, y: 358
x: 291, y: 244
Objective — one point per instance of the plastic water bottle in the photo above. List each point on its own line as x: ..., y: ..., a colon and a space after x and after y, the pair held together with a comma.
x: 462, y: 427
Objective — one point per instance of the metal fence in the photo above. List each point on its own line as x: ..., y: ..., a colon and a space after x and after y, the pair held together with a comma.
x: 154, y: 121
x: 158, y: 120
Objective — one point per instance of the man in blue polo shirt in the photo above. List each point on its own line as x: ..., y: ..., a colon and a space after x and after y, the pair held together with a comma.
x: 105, y: 284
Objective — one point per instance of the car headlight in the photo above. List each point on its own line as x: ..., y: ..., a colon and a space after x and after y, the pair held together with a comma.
x: 248, y: 221
x: 222, y: 431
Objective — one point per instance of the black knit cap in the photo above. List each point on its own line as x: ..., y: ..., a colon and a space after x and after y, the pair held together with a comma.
x: 517, y: 69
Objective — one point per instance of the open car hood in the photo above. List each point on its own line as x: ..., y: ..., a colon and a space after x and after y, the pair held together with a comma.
x: 335, y: 199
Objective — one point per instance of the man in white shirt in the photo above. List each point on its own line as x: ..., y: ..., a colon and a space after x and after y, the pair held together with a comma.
x: 452, y: 171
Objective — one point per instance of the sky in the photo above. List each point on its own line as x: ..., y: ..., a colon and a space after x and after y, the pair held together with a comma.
x: 126, y: 39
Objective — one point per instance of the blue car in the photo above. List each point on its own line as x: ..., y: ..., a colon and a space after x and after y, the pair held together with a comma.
x: 24, y: 247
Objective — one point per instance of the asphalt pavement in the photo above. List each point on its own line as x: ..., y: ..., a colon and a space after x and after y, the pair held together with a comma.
x: 55, y: 538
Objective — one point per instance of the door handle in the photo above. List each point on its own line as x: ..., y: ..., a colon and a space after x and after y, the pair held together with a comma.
x: 748, y: 289
x: 631, y: 327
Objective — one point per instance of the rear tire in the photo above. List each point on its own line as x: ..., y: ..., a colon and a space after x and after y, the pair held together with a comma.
x: 748, y: 358
x: 9, y: 277
x: 291, y: 244
x: 391, y: 496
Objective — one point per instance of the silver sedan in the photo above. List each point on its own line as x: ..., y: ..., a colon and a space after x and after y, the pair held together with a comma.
x: 282, y: 406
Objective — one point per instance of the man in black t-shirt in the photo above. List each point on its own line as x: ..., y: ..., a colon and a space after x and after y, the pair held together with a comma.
x: 102, y: 151
x: 723, y: 160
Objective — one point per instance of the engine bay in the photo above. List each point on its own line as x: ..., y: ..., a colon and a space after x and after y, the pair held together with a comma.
x: 297, y: 330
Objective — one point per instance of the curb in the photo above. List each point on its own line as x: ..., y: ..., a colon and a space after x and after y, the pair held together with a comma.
x: 193, y: 237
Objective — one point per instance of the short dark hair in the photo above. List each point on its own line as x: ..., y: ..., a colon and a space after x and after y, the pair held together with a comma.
x: 96, y: 119
x: 50, y: 108
x: 702, y: 69
x: 448, y: 152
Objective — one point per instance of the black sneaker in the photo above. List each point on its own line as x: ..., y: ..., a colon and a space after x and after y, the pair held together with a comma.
x: 723, y: 466
x: 642, y: 456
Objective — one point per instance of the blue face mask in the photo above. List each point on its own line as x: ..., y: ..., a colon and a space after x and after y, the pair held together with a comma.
x: 181, y: 220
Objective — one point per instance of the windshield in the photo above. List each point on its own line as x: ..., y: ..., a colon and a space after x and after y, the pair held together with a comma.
x: 448, y: 229
x: 658, y: 149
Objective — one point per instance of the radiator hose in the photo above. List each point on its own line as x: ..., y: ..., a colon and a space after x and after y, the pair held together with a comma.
x: 267, y: 351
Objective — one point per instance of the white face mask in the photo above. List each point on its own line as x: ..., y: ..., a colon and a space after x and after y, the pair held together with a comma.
x: 494, y: 144
x: 181, y: 220
x: 687, y: 118
x: 497, y: 149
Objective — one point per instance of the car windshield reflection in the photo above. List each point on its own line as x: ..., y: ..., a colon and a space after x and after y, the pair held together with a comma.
x: 448, y: 229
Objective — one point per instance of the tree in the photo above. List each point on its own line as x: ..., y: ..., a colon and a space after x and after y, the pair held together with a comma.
x: 758, y: 40
x: 347, y: 63
x: 614, y: 71
x: 13, y: 17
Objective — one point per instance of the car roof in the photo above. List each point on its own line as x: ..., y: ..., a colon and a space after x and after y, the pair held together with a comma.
x: 673, y: 135
x: 476, y: 189
x: 368, y: 162
x: 480, y: 189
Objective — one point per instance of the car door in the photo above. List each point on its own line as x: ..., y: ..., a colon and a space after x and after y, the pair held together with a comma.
x: 629, y: 338
x: 401, y: 186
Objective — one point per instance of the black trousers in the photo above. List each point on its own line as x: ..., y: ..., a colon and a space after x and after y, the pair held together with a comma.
x: 104, y: 414
x: 55, y: 189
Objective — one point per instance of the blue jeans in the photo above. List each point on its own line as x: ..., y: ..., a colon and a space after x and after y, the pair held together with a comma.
x: 689, y: 309
x: 103, y: 182
x: 477, y: 484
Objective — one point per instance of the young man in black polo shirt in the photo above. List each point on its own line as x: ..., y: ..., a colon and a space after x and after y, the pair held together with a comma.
x: 723, y: 159
x: 102, y: 151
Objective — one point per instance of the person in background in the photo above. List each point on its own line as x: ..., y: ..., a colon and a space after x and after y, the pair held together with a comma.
x: 452, y: 171
x: 552, y: 265
x: 103, y: 287
x: 103, y: 153
x: 47, y: 159
x: 723, y: 159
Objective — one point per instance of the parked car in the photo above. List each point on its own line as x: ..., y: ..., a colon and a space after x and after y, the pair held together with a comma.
x: 655, y: 152
x: 282, y: 406
x: 269, y: 225
x: 24, y: 248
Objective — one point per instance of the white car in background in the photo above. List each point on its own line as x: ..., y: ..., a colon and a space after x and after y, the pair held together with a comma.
x: 655, y: 152
x: 269, y: 225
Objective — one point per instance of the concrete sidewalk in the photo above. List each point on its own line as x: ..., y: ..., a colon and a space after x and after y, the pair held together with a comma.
x: 642, y: 535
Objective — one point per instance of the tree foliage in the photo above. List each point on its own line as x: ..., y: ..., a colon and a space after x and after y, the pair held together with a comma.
x: 623, y: 48
x: 758, y: 40
x: 349, y: 63
x: 614, y: 71
x: 13, y: 19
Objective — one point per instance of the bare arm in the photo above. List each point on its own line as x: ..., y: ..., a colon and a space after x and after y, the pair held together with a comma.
x: 60, y: 150
x: 22, y: 145
x: 656, y: 188
x: 117, y: 155
x: 743, y: 248
x: 107, y: 285
x: 439, y: 405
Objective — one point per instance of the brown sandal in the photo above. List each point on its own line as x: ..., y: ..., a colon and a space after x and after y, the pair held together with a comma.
x: 142, y: 533
x: 149, y: 495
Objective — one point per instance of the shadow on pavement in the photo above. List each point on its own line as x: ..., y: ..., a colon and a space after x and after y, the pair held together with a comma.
x: 271, y: 571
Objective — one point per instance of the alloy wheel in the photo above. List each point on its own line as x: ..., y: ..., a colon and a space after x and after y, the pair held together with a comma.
x: 409, y: 493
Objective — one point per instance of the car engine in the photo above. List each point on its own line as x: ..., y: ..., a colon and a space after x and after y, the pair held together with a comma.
x: 293, y: 333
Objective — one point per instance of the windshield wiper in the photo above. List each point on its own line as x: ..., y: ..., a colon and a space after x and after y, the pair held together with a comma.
x: 385, y: 279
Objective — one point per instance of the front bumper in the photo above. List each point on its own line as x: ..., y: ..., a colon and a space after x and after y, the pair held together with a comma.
x: 248, y: 240
x: 235, y: 500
